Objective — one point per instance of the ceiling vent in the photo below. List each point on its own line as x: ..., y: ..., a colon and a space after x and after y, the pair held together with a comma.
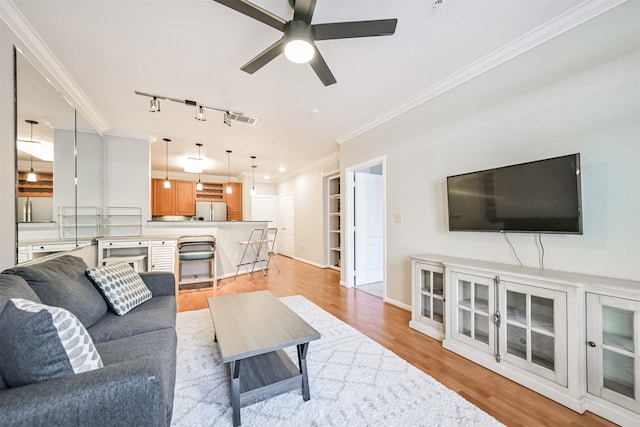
x: 331, y: 168
x: 243, y: 119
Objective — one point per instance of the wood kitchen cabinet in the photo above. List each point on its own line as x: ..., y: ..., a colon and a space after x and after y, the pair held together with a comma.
x: 180, y: 199
x: 234, y: 202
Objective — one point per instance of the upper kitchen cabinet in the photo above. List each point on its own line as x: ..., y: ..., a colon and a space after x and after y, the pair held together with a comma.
x: 180, y: 199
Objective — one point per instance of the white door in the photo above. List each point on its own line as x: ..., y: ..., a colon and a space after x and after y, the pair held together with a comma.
x: 368, y: 219
x: 284, y: 223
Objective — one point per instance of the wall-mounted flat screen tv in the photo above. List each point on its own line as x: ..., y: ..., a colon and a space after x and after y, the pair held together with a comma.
x: 536, y: 197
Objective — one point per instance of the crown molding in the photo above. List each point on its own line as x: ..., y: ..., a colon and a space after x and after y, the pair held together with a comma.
x: 38, y: 50
x: 579, y: 14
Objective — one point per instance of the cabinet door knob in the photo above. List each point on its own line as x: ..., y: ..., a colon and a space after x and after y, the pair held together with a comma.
x: 591, y: 344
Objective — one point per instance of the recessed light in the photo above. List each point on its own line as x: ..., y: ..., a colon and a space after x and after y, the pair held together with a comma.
x: 266, y: 177
x: 282, y: 169
x: 314, y: 111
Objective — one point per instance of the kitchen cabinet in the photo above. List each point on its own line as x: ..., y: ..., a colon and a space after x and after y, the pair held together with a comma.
x: 234, y: 202
x: 180, y: 199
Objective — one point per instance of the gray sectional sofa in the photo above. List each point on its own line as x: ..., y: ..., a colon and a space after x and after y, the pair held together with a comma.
x: 138, y: 349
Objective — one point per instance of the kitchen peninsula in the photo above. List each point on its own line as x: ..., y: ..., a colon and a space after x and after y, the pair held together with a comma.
x: 159, y: 240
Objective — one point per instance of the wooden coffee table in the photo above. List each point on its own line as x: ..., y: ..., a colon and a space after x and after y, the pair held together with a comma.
x: 251, y: 330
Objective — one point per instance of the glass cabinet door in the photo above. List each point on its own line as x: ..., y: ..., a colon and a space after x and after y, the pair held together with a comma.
x: 613, y: 358
x: 533, y: 332
x: 473, y: 320
x: 431, y: 292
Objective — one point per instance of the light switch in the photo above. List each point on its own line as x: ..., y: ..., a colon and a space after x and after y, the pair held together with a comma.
x: 398, y: 217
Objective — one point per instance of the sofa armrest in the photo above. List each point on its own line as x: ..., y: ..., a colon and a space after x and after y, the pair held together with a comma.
x: 160, y: 282
x: 128, y: 393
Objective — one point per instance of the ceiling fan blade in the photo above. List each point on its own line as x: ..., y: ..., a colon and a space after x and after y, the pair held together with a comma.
x: 304, y: 10
x: 322, y: 69
x: 264, y: 57
x: 255, y: 12
x: 346, y: 30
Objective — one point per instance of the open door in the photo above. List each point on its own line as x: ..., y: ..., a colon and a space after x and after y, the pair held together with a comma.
x: 368, y: 227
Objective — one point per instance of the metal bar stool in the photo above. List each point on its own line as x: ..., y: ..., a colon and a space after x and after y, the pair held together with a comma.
x: 197, y: 249
x: 266, y: 249
x: 251, y: 250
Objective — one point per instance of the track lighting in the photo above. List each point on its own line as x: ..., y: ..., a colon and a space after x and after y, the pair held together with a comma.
x: 200, y: 114
x: 154, y: 105
x: 167, y: 183
x: 229, y: 189
x: 31, y: 176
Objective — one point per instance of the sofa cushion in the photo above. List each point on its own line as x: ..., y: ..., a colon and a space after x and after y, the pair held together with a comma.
x: 146, y: 346
x: 121, y: 286
x: 155, y: 314
x: 61, y: 282
x: 40, y: 343
x: 15, y: 287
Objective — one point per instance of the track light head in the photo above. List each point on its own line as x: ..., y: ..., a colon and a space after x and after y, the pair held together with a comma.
x: 200, y: 114
x: 227, y: 118
x: 154, y: 105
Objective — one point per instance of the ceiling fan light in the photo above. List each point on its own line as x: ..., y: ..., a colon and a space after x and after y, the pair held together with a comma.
x: 299, y: 51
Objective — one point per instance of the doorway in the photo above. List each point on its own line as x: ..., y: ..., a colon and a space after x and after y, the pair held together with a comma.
x: 366, y: 240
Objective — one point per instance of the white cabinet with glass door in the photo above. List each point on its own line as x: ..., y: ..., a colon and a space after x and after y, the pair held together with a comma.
x: 613, y: 352
x: 473, y: 311
x: 533, y: 329
x: 428, y: 299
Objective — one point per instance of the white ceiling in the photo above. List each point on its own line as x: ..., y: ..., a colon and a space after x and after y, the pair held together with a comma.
x: 193, y: 49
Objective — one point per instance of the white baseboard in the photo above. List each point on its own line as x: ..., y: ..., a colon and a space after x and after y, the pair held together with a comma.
x: 397, y: 304
x: 306, y: 261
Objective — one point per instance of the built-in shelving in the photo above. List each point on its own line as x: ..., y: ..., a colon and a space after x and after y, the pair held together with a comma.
x: 123, y: 221
x: 334, y: 222
x: 81, y: 221
x: 211, y: 192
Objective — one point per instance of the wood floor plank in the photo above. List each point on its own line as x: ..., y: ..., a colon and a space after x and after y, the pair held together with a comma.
x: 508, y: 402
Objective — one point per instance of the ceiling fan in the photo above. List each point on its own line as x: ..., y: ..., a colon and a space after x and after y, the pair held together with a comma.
x: 297, y: 43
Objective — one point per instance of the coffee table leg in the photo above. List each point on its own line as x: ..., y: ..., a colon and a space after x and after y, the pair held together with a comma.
x: 302, y: 362
x: 235, y: 392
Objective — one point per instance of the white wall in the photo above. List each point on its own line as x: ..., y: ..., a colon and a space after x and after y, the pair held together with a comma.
x: 568, y: 95
x: 308, y: 214
x: 7, y: 150
x: 127, y: 177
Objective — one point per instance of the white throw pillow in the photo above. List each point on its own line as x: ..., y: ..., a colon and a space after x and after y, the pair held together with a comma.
x: 121, y: 286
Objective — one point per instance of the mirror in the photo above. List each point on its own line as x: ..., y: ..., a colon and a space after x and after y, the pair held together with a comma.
x: 62, y: 148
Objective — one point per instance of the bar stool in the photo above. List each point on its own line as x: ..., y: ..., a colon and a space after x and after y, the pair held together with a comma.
x: 197, y: 249
x: 251, y: 251
x: 266, y: 250
x: 138, y: 262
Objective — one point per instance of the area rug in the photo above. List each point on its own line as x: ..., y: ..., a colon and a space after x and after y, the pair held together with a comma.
x: 354, y: 381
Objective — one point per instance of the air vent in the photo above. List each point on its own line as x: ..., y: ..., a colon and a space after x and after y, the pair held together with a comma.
x: 243, y: 119
x: 331, y: 168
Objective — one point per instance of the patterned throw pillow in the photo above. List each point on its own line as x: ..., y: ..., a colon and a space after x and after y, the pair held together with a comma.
x: 121, y: 286
x: 40, y: 343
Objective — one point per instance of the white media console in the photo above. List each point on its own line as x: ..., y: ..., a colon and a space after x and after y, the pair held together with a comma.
x: 571, y: 337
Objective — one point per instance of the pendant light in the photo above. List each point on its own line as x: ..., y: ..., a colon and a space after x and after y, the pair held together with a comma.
x: 229, y: 189
x: 253, y: 175
x: 31, y: 176
x: 200, y: 114
x: 199, y: 184
x: 167, y: 183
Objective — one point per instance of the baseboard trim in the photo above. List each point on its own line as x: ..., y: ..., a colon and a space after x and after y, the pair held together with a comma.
x: 306, y: 261
x: 397, y: 304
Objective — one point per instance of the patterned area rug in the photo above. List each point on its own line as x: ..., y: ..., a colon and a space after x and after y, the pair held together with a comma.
x: 354, y: 381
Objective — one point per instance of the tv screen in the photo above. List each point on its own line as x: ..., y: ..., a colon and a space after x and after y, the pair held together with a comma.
x: 536, y: 197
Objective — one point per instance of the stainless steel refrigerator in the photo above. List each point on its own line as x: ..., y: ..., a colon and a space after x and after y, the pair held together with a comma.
x: 211, y: 211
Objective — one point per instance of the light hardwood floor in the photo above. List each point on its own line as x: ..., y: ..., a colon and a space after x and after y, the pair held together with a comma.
x: 507, y: 401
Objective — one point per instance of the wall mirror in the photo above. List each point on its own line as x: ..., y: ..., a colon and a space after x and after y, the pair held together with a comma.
x: 65, y: 154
